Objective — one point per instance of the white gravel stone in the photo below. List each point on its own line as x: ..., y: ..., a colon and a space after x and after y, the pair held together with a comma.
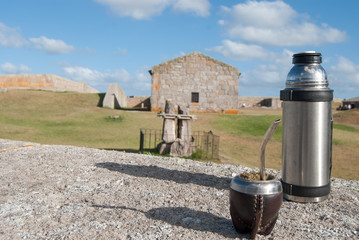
x: 66, y: 192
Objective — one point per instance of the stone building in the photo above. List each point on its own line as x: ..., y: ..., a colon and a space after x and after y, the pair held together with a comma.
x: 352, y: 102
x: 198, y: 81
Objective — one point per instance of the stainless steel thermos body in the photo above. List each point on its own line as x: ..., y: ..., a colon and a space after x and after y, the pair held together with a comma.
x: 307, y: 130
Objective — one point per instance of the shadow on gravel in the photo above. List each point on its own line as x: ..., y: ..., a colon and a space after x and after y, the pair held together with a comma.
x: 188, y: 218
x: 168, y: 174
x: 128, y: 150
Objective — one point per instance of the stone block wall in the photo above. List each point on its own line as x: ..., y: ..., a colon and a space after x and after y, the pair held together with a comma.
x: 44, y: 82
x: 272, y: 102
x: 142, y: 102
x: 215, y: 82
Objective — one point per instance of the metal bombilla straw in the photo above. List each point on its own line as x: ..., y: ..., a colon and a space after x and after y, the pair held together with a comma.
x: 266, y: 138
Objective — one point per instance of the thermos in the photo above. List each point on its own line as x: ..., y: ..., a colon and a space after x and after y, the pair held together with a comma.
x: 307, y: 130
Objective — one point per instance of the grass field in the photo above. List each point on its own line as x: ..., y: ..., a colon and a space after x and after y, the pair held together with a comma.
x: 75, y: 119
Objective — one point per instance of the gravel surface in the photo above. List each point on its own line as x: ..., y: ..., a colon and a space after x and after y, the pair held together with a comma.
x: 66, y: 192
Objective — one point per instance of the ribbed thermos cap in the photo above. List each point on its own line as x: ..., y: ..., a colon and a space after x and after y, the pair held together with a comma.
x: 307, y: 57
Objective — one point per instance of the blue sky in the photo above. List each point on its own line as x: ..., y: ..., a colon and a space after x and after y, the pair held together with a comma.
x: 118, y: 41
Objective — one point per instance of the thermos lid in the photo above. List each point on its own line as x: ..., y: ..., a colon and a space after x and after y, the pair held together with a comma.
x: 307, y: 57
x: 307, y: 74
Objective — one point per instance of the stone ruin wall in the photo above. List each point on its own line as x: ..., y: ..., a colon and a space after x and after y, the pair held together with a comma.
x: 44, y: 82
x: 243, y: 102
x: 142, y: 102
x: 115, y: 97
x: 216, y: 83
x: 273, y: 102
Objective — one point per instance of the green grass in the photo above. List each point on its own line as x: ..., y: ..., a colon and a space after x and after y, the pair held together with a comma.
x: 247, y: 125
x: 76, y: 119
x: 345, y: 128
x: 70, y: 118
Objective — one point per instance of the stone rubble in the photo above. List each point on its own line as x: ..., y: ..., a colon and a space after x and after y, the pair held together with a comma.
x: 66, y: 192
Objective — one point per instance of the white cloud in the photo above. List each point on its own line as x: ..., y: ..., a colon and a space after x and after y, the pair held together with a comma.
x: 51, y: 46
x: 9, y: 68
x: 269, y: 79
x: 10, y: 37
x: 262, y: 14
x: 344, y: 76
x: 271, y: 75
x: 94, y: 77
x: 140, y: 83
x: 137, y: 9
x: 241, y: 51
x: 199, y: 7
x: 120, y: 51
x: 263, y: 74
x: 347, y: 68
x: 145, y: 9
x: 88, y: 51
x: 276, y: 24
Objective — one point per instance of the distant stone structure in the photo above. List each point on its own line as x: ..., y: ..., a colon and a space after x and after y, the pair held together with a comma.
x: 139, y: 102
x: 115, y: 97
x: 199, y: 81
x: 351, y: 103
x: 270, y: 102
x: 44, y: 82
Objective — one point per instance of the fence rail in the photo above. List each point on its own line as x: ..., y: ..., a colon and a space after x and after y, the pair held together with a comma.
x: 205, y: 142
x: 149, y: 139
